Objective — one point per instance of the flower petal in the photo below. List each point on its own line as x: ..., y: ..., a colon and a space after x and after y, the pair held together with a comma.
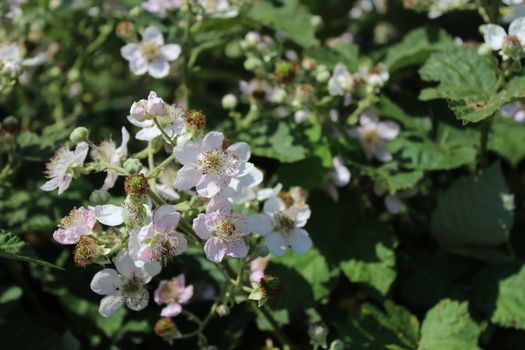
x: 187, y: 178
x: 273, y: 205
x: 260, y: 223
x: 517, y: 27
x: 109, y: 304
x: 105, y: 282
x: 276, y: 243
x: 171, y: 51
x: 493, y: 35
x: 212, y: 140
x: 215, y: 249
x: 138, y: 65
x: 130, y: 51
x: 236, y: 248
x: 187, y: 153
x: 166, y: 218
x: 393, y: 204
x: 109, y: 214
x: 299, y: 240
x: 152, y: 34
x: 241, y: 150
x: 124, y: 264
x: 61, y: 237
x: 171, y: 310
x: 159, y: 68
x: 200, y: 228
x: 210, y: 185
x: 148, y: 134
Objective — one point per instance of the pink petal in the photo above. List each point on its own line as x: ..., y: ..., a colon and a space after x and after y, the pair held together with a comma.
x: 215, y: 249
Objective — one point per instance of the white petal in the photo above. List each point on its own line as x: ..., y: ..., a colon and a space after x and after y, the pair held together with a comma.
x: 109, y: 214
x: 260, y: 223
x: 276, y: 243
x: 215, y: 249
x: 187, y: 153
x: 187, y: 178
x: 517, y: 27
x: 150, y: 270
x: 170, y: 52
x: 148, y: 134
x: 253, y: 178
x: 138, y: 65
x: 105, y: 282
x: 50, y: 185
x: 130, y: 51
x: 159, y: 68
x: 152, y: 34
x: 273, y: 205
x: 109, y: 304
x: 210, y: 185
x: 200, y: 228
x: 124, y: 264
x: 212, y: 140
x: 219, y: 203
x: 299, y: 240
x: 493, y: 35
x: 81, y: 152
x: 368, y: 118
x: 241, y: 150
x: 388, y: 130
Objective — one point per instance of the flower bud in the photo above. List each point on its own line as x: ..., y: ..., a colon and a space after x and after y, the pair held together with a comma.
x: 229, y: 101
x: 98, y: 197
x: 155, y: 105
x: 78, y: 135
x: 252, y: 63
x: 284, y: 72
x: 10, y: 124
x: 166, y: 329
x: 223, y: 310
x: 318, y: 333
x: 138, y: 110
x: 133, y: 165
x: 322, y: 74
x: 278, y: 95
x: 124, y: 29
x: 337, y: 345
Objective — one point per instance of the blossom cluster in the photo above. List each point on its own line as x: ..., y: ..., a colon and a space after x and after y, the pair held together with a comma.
x: 147, y: 230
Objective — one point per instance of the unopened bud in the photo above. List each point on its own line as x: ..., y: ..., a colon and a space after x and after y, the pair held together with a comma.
x: 318, y: 333
x: 337, y: 345
x: 252, y: 63
x: 98, y: 197
x: 80, y: 134
x: 223, y: 310
x: 322, y: 74
x: 133, y: 165
x: 124, y: 29
x: 229, y: 101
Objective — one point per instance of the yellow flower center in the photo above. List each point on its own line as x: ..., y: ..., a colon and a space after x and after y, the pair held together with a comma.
x: 151, y: 51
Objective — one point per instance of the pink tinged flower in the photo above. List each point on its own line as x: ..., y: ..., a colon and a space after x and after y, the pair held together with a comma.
x: 158, y: 240
x: 282, y: 226
x: 209, y: 167
x: 79, y: 222
x: 144, y: 112
x: 374, y: 135
x: 496, y: 37
x: 393, y: 202
x: 61, y: 168
x: 223, y: 230
x: 173, y: 293
x: 257, y: 268
x: 151, y: 55
x: 124, y: 286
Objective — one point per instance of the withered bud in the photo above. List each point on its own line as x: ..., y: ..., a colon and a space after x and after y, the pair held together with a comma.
x: 86, y: 251
x: 166, y: 329
x: 136, y: 185
x: 124, y: 29
x: 271, y: 286
x: 195, y: 119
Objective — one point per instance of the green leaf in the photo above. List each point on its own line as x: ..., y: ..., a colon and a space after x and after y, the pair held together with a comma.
x: 416, y: 46
x: 448, y: 325
x: 12, y: 247
x: 392, y: 178
x: 277, y: 141
x: 312, y: 266
x: 342, y: 53
x: 394, y: 328
x: 476, y: 209
x: 371, y: 258
x: 291, y: 19
x: 293, y: 174
x: 466, y: 78
x: 507, y: 138
x: 498, y: 292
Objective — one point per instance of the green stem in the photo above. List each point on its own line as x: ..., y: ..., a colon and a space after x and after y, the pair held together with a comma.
x: 484, y: 137
x: 279, y: 334
x: 163, y: 132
